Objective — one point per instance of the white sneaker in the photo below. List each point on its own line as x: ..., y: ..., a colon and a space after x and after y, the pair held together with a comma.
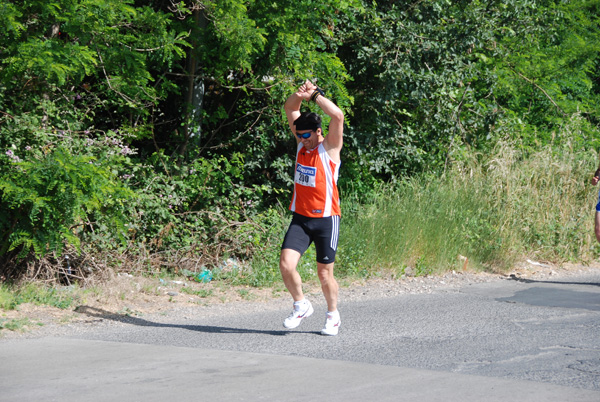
x: 332, y: 324
x: 301, y: 310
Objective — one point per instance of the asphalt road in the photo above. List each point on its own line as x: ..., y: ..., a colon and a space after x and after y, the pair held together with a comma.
x: 506, y: 340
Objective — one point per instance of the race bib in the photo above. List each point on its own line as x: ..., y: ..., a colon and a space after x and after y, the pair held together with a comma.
x: 305, y: 175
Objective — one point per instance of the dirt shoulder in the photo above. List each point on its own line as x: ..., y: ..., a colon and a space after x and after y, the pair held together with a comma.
x: 126, y: 295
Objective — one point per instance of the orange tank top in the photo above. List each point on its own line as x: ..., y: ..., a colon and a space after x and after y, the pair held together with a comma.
x: 315, y: 184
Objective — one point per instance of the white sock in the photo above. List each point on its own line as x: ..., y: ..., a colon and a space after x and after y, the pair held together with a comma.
x: 300, y: 303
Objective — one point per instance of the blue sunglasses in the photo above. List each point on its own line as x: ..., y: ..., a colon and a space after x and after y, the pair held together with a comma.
x: 305, y: 135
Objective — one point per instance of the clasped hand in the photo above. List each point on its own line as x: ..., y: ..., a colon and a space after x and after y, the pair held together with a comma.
x: 306, y: 90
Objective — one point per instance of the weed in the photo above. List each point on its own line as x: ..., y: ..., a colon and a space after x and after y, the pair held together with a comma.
x: 150, y: 289
x: 8, y: 299
x: 246, y: 294
x: 128, y: 312
x: 12, y: 296
x: 19, y: 324
x: 203, y: 293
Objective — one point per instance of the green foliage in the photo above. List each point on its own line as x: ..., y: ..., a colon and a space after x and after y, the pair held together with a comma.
x: 101, y: 53
x: 237, y: 32
x: 17, y: 324
x: 545, y: 199
x: 548, y: 68
x: 436, y: 80
x: 9, y: 15
x: 50, y: 199
x: 178, y: 105
x: 264, y: 264
x: 7, y: 298
x: 417, y: 81
x: 249, y: 56
x: 202, y: 293
x: 187, y: 216
x: 77, y: 82
x: 12, y: 296
x: 493, y: 212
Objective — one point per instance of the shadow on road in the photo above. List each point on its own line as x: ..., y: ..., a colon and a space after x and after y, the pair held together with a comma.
x: 556, y: 297
x: 523, y: 280
x: 127, y: 319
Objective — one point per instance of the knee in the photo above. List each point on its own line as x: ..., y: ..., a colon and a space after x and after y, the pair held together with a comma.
x: 325, y: 273
x: 287, y: 262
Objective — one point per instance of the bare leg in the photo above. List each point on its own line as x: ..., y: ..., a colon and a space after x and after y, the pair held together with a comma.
x: 329, y: 285
x: 291, y: 278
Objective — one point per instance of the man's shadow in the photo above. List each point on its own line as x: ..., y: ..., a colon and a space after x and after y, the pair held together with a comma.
x: 128, y: 319
x: 516, y: 278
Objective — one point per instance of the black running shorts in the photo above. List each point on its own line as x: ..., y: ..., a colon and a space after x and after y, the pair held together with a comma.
x: 322, y: 231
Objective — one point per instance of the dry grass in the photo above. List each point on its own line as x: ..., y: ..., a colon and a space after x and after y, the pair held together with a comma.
x: 494, y: 211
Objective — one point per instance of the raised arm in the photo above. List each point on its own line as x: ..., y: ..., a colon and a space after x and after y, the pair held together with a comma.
x: 596, y: 177
x: 292, y: 106
x: 334, y: 140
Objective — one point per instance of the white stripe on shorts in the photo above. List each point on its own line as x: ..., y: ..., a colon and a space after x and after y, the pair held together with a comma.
x: 335, y: 231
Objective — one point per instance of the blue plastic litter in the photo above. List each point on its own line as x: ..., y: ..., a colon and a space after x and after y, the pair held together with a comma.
x: 205, y: 276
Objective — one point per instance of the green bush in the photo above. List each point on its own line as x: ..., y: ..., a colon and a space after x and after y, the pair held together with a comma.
x: 51, y: 199
x: 198, y: 211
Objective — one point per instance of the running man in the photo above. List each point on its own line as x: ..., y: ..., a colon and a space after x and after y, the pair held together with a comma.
x: 595, y: 181
x: 315, y: 203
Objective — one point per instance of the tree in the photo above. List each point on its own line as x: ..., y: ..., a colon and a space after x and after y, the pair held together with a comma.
x: 248, y: 56
x: 436, y: 79
x: 79, y: 81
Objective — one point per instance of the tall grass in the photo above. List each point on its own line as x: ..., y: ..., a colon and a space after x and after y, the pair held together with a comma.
x: 36, y: 293
x: 493, y: 212
x: 488, y: 212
